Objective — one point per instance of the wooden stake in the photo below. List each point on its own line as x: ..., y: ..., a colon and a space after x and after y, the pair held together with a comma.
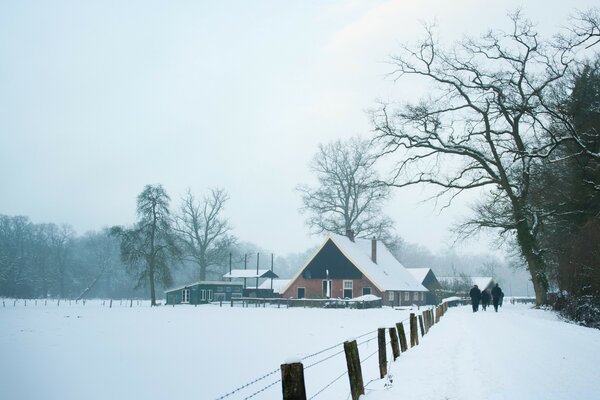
x: 394, y: 340
x: 292, y: 381
x: 414, y: 334
x: 421, y: 325
x: 354, y: 371
x: 382, y: 352
x: 402, y: 336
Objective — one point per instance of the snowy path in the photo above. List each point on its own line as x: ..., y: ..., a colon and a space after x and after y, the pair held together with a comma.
x: 517, y: 353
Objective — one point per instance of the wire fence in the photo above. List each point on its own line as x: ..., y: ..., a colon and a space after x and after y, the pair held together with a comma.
x: 262, y: 384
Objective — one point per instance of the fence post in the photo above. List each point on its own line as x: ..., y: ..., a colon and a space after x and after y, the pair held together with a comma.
x: 354, y: 371
x: 421, y: 325
x: 394, y: 340
x: 414, y: 334
x: 292, y: 381
x: 382, y: 352
x: 402, y: 335
x: 110, y: 305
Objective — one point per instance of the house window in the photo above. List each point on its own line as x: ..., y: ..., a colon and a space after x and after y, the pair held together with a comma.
x: 407, y: 296
x: 219, y: 296
x: 203, y: 295
x: 390, y: 296
x: 366, y: 290
x: 416, y: 296
x: 228, y: 289
x: 210, y: 295
x: 348, y: 289
x: 422, y: 296
x: 185, y: 296
x: 301, y: 292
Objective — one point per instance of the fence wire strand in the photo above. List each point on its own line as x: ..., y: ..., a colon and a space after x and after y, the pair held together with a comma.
x: 328, y: 385
x: 334, y: 346
x: 323, y: 360
x: 262, y: 390
x: 249, y: 384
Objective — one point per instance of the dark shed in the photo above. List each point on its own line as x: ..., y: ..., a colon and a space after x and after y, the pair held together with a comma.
x: 204, y: 292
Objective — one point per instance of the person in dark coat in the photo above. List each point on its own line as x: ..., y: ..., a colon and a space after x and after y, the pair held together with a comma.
x: 486, y: 299
x: 497, y: 295
x: 475, y: 294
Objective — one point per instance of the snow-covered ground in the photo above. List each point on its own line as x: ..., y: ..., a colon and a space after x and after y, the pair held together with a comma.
x: 96, y: 352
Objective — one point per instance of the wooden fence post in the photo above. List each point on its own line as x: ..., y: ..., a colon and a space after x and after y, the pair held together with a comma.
x: 354, y: 371
x: 414, y: 334
x: 402, y: 335
x: 110, y: 304
x: 394, y: 340
x: 382, y: 353
x: 421, y: 325
x: 292, y: 381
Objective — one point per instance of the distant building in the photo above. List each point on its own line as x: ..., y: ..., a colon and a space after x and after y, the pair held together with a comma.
x: 255, y: 275
x: 427, y: 278
x: 345, y: 267
x: 277, y: 285
x: 203, y: 292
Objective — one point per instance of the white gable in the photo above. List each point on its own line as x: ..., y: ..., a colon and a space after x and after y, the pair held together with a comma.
x: 419, y: 273
x: 278, y: 285
x: 387, y: 273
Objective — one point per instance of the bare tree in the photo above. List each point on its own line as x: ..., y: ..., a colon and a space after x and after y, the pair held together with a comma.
x: 482, y: 126
x: 61, y: 242
x: 149, y: 247
x: 347, y: 197
x: 203, y: 230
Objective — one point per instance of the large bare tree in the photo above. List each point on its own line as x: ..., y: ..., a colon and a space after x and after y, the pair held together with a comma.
x: 203, y: 230
x: 346, y: 197
x: 149, y: 248
x: 482, y: 125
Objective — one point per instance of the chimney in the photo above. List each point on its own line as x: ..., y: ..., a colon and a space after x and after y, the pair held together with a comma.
x: 350, y: 234
x: 374, y: 250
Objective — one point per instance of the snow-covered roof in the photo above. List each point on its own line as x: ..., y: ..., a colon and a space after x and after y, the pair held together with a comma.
x: 204, y: 283
x: 250, y: 273
x: 278, y: 285
x: 387, y: 274
x: 419, y: 273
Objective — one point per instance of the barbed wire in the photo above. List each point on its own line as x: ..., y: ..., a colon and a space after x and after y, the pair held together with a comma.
x: 262, y: 390
x: 324, y: 359
x: 328, y: 385
x: 334, y: 346
x: 249, y: 384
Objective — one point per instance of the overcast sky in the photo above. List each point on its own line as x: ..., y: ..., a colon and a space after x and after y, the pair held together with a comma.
x: 99, y: 98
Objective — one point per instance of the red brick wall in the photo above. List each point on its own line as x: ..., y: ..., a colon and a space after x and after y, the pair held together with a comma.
x: 314, y: 288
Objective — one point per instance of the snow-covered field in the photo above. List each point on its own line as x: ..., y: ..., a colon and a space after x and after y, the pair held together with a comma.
x: 96, y: 352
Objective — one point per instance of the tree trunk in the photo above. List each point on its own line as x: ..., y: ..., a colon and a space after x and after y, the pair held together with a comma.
x: 152, y: 290
x: 535, y: 263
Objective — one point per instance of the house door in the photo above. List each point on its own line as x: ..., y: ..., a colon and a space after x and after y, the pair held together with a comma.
x: 301, y: 292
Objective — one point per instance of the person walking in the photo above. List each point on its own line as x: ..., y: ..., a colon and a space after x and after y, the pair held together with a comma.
x: 486, y: 299
x: 475, y: 294
x: 497, y: 296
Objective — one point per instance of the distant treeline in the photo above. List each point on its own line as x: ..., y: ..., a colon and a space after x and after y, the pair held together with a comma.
x: 49, y: 260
